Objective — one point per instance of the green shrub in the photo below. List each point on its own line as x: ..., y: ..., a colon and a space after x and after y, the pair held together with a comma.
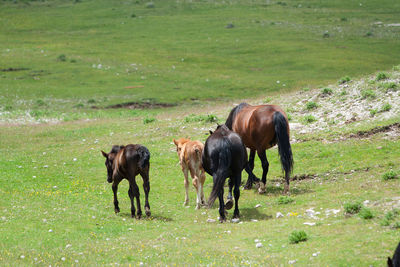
x: 344, y: 79
x: 298, y: 236
x: 40, y: 102
x: 368, y: 94
x: 366, y: 213
x: 148, y: 120
x: 309, y: 118
x: 343, y: 92
x: 389, y: 216
x: 381, y: 76
x: 386, y: 107
x: 284, y: 200
x: 205, y: 118
x: 8, y: 108
x: 389, y: 86
x: 289, y: 116
x: 389, y: 175
x: 327, y: 91
x: 352, y: 207
x: 311, y: 105
x: 373, y: 112
x: 62, y: 58
x: 343, y: 19
x: 368, y: 34
x: 91, y: 101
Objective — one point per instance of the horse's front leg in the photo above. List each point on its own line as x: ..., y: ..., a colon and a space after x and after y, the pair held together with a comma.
x: 115, y: 190
x: 249, y: 169
x: 265, y: 166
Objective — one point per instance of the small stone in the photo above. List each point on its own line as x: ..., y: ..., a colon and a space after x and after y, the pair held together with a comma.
x: 292, y: 261
x: 236, y: 220
x: 258, y: 205
x: 309, y: 223
x: 68, y: 246
x: 63, y: 258
x: 22, y: 257
x: 210, y: 220
x: 256, y: 241
x: 254, y: 220
x: 259, y: 245
x: 279, y: 215
x: 50, y: 231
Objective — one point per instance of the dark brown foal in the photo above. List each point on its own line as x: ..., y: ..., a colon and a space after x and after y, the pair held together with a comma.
x: 126, y: 162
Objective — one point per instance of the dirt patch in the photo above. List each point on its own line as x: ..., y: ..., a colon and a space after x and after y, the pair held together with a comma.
x: 138, y: 105
x: 395, y: 127
x: 13, y: 69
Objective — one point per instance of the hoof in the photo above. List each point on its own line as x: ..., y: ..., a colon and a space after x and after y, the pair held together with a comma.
x: 261, y: 189
x: 186, y: 203
x: 148, y: 212
x: 247, y: 187
x: 138, y: 216
x: 229, y: 204
x: 257, y: 185
x: 222, y: 220
x: 197, y: 207
x: 116, y: 210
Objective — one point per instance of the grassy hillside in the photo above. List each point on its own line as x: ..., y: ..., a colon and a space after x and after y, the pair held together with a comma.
x: 58, y: 59
x: 76, y: 54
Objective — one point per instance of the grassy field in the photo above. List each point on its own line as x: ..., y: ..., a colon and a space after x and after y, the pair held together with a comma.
x: 60, y: 58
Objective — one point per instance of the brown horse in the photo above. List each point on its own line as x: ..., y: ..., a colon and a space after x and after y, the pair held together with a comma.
x: 261, y: 127
x: 125, y: 162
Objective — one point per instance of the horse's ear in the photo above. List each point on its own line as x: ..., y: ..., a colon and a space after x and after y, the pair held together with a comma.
x: 104, y: 154
x: 176, y: 143
x: 211, y: 132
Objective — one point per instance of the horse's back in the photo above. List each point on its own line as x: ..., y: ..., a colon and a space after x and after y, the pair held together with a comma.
x: 137, y: 155
x: 255, y: 125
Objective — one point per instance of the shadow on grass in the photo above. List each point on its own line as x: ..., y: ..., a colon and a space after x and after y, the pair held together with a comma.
x: 278, y: 190
x: 248, y: 214
x: 145, y: 218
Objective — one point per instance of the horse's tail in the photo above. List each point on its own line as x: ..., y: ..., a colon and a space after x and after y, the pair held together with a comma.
x: 219, y: 177
x: 198, y: 151
x: 284, y: 148
x: 144, y: 157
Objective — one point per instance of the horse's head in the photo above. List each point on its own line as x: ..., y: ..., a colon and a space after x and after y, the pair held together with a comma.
x: 180, y: 143
x: 109, y: 164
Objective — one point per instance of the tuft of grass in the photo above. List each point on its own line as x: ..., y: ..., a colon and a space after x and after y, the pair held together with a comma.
x: 368, y: 94
x: 148, y: 120
x: 298, y: 236
x: 205, y: 118
x: 390, y: 175
x: 381, y: 76
x: 326, y: 35
x: 150, y: 5
x: 62, y: 58
x: 368, y: 34
x: 40, y: 103
x: 289, y: 117
x: 309, y: 118
x: 311, y: 105
x: 352, y: 207
x: 386, y: 107
x: 396, y: 225
x: 306, y: 89
x: 344, y: 79
x: 390, y: 86
x: 389, y: 217
x: 80, y: 105
x: 366, y: 213
x: 91, y: 101
x: 284, y: 200
x: 327, y: 91
x: 373, y: 112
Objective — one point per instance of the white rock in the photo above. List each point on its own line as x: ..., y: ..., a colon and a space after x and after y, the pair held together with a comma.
x: 279, y: 215
x: 309, y: 223
x: 63, y: 258
x: 254, y: 220
x: 259, y: 245
x: 256, y: 241
x: 236, y: 220
x: 292, y: 261
x: 258, y: 205
x: 210, y: 220
x: 50, y: 231
x: 68, y: 246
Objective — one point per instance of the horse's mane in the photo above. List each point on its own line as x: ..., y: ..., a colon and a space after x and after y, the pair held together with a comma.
x: 116, y: 149
x: 233, y: 113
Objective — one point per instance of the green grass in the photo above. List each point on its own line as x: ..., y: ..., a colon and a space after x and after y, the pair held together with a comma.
x: 72, y: 60
x: 298, y: 236
x: 352, y: 207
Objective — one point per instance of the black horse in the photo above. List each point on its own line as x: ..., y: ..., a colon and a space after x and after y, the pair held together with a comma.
x: 125, y: 162
x: 395, y: 261
x: 224, y: 156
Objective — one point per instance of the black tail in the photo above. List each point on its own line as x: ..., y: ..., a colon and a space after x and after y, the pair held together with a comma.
x: 220, y: 177
x: 144, y: 157
x: 284, y: 148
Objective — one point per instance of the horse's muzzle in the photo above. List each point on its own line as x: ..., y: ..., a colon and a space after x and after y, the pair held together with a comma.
x: 109, y: 180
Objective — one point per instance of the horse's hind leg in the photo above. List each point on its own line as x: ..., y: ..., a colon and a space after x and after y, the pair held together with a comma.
x: 131, y: 196
x: 222, y: 216
x: 237, y: 180
x: 265, y: 166
x: 249, y: 169
x: 146, y: 188
x: 136, y: 194
x: 229, y: 202
x: 115, y: 190
x: 186, y: 182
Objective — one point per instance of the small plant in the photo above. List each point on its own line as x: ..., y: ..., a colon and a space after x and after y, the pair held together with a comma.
x: 389, y: 216
x: 344, y: 79
x: 326, y: 35
x: 352, y: 207
x: 284, y: 200
x: 8, y: 108
x: 309, y: 118
x: 298, y: 236
x: 390, y: 175
x: 343, y: 19
x: 306, y: 89
x: 386, y: 107
x: 267, y: 100
x: 91, y: 101
x: 80, y: 105
x: 373, y: 112
x: 343, y: 92
x: 327, y: 91
x: 148, y: 120
x: 133, y: 15
x: 205, y: 118
x: 389, y: 86
x: 381, y: 76
x: 62, y: 58
x: 370, y: 94
x: 289, y: 116
x: 40, y: 102
x: 311, y: 105
x: 396, y: 225
x: 73, y: 61
x: 366, y: 213
x: 368, y: 34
